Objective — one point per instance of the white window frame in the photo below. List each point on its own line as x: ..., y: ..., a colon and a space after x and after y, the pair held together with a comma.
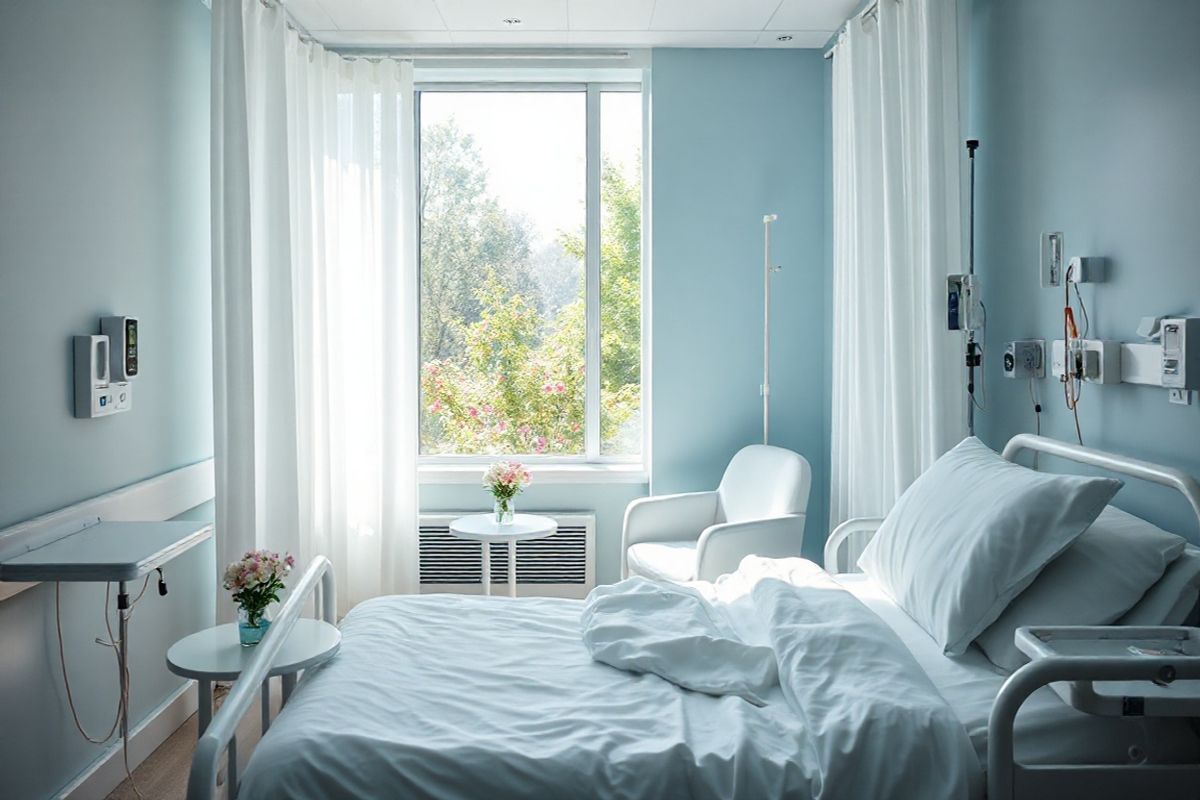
x: 591, y: 465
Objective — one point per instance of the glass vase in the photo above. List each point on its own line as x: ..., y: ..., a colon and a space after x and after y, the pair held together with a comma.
x: 504, y: 508
x: 251, y: 629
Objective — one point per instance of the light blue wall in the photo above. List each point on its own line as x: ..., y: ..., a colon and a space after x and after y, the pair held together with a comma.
x: 737, y: 134
x: 104, y: 208
x: 1089, y: 115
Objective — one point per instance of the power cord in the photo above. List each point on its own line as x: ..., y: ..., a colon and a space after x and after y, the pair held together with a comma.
x: 1072, y: 378
x: 122, y: 669
x: 982, y: 345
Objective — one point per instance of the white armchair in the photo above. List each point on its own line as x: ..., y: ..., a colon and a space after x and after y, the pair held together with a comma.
x: 759, y: 509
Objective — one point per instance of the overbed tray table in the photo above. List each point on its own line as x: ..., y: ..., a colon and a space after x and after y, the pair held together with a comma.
x: 1166, y: 696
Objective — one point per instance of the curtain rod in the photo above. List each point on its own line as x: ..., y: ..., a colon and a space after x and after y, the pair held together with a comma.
x: 869, y: 10
x: 443, y: 54
x: 290, y: 19
x: 499, y: 54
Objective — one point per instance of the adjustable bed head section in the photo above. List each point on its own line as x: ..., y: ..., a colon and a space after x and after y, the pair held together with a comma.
x: 1008, y: 779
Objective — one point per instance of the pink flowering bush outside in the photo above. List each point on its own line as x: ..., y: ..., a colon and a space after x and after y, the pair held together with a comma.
x: 255, y: 581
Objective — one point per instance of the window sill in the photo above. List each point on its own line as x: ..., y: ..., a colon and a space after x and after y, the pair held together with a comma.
x: 542, y: 473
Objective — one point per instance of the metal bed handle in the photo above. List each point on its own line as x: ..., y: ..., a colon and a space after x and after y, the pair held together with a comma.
x: 1155, y: 473
x: 202, y: 779
x: 1007, y: 779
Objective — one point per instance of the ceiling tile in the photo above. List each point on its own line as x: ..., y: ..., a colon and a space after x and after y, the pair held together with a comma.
x: 712, y: 15
x: 812, y: 15
x: 662, y: 38
x: 485, y: 15
x: 517, y: 38
x: 381, y: 38
x: 799, y: 38
x: 609, y: 15
x: 384, y: 15
x: 310, y: 14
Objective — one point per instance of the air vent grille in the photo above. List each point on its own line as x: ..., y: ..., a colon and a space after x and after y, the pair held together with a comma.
x: 561, y: 563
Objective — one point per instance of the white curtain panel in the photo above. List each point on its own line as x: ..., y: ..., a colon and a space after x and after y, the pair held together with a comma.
x: 315, y: 303
x: 898, y: 380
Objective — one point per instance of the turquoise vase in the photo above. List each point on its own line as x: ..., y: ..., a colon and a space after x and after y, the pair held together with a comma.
x: 251, y: 633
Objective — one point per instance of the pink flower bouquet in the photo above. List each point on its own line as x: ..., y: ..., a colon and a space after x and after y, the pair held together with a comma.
x: 505, y: 480
x: 255, y: 581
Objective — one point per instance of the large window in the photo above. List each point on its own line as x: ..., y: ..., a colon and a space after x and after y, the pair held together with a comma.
x: 531, y: 271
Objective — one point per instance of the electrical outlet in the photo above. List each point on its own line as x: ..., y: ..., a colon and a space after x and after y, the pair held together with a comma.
x: 1025, y: 358
x: 1181, y: 397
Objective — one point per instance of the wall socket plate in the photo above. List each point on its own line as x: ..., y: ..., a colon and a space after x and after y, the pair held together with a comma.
x: 1181, y: 397
x: 1025, y: 358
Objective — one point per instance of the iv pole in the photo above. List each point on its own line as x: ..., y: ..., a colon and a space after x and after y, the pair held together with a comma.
x: 768, y: 268
x: 973, y: 356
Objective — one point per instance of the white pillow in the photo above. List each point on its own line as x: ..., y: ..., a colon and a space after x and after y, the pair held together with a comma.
x: 1171, y: 600
x: 971, y: 533
x: 1095, y: 580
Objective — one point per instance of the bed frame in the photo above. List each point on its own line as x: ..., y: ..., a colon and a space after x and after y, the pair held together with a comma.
x: 1009, y: 779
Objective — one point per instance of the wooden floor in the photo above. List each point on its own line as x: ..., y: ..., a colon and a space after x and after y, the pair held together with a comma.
x: 163, y: 775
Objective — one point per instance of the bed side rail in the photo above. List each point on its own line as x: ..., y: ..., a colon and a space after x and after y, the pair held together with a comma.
x: 202, y: 779
x: 864, y: 527
x: 1008, y: 780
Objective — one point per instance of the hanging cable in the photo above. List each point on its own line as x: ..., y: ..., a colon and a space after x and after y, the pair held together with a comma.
x: 1037, y: 410
x: 62, y: 660
x: 1073, y: 364
x: 122, y: 673
x: 982, y: 402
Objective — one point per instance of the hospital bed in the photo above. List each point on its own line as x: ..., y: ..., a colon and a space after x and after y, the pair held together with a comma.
x: 459, y: 696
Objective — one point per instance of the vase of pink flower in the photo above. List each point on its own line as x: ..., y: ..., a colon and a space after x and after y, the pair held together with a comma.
x: 505, y: 480
x: 255, y: 581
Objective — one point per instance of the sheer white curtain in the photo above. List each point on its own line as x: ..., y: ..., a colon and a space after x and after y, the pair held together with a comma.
x: 898, y: 384
x: 315, y: 303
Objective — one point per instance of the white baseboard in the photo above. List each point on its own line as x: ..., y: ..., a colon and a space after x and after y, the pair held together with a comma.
x: 107, y: 772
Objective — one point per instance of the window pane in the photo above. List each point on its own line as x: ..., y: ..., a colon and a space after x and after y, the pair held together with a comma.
x: 502, y: 272
x: 621, y: 273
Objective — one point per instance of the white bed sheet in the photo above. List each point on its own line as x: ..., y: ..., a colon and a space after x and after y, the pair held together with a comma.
x: 470, y: 717
x: 1048, y: 730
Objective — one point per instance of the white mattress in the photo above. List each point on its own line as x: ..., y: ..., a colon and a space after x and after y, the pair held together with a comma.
x: 1048, y: 731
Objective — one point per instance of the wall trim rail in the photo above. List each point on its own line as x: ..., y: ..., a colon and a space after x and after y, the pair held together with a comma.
x: 161, y: 497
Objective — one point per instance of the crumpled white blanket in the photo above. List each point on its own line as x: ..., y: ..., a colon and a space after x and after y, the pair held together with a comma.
x: 672, y: 631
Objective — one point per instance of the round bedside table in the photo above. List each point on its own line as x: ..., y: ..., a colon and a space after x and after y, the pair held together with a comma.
x: 215, y: 654
x: 484, y: 529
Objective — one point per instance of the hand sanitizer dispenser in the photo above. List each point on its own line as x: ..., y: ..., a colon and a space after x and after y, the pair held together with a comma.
x: 104, y: 365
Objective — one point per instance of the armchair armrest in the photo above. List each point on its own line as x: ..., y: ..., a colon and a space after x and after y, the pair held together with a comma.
x: 667, y: 518
x: 722, y: 547
x: 862, y: 525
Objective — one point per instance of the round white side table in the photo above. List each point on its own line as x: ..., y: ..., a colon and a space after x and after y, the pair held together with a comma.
x: 484, y: 529
x: 215, y: 654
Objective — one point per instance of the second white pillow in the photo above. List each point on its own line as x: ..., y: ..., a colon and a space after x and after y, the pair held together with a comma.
x: 1096, y: 580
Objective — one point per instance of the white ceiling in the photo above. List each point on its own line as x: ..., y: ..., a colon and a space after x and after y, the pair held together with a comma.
x: 574, y: 23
